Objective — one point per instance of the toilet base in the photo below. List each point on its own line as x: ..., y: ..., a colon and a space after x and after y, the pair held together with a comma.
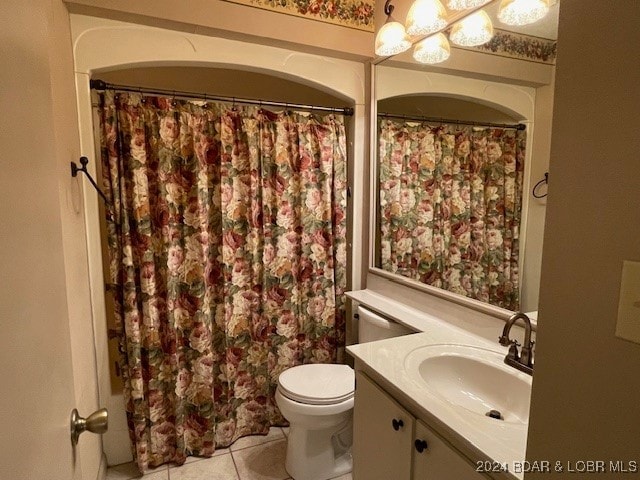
x: 319, y: 454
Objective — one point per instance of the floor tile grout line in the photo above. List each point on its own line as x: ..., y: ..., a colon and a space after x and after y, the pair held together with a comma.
x: 257, y: 444
x: 233, y: 459
x: 230, y: 452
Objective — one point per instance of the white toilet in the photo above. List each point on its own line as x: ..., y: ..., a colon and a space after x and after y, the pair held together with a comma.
x: 317, y: 400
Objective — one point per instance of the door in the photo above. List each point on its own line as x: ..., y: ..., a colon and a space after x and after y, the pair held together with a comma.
x: 382, y: 434
x: 37, y: 392
x: 36, y: 376
x: 37, y: 386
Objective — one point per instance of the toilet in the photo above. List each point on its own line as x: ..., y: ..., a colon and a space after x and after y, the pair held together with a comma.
x: 317, y: 400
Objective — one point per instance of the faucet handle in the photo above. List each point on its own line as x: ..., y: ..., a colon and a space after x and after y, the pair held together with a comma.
x: 513, y: 351
x: 527, y: 354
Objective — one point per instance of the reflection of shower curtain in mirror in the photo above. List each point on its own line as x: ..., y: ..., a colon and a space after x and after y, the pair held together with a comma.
x: 450, y: 207
x: 227, y: 245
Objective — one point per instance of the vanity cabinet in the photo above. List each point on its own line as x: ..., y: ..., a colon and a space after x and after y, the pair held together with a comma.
x: 434, y: 458
x: 382, y: 434
x: 390, y: 443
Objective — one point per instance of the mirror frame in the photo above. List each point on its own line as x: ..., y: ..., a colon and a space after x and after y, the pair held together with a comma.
x: 520, y: 102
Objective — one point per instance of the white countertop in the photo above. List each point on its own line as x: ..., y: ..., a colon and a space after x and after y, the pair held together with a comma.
x: 439, y: 310
x: 476, y: 436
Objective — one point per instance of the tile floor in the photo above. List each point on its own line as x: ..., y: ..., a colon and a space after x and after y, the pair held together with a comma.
x: 258, y: 457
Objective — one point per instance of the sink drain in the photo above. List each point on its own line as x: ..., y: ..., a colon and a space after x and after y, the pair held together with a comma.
x: 494, y: 414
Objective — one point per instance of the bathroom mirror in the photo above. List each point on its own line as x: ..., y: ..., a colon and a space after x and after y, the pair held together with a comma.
x: 484, y: 94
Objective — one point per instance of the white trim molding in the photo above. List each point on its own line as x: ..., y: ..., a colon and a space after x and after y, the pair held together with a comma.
x: 101, y: 45
x: 515, y: 100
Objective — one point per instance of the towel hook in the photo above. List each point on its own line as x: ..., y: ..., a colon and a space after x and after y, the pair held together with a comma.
x: 74, y: 173
x: 544, y: 181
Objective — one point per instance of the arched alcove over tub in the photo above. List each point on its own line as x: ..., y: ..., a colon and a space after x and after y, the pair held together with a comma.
x: 456, y: 97
x: 102, y: 46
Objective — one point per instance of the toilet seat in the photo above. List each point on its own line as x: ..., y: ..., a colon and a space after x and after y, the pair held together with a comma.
x: 317, y: 384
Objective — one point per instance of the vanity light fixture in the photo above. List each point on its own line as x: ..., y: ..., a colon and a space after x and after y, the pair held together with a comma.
x: 470, y: 26
x: 473, y: 30
x: 433, y: 49
x: 392, y: 38
x: 522, y: 12
x: 426, y: 17
x: 465, y: 4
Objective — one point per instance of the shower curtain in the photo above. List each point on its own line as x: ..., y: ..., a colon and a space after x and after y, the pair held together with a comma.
x: 226, y: 232
x: 450, y: 207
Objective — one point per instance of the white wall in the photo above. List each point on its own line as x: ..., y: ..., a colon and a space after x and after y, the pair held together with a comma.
x: 225, y: 19
x: 103, y: 45
x: 47, y: 365
x: 537, y: 207
x: 586, y: 390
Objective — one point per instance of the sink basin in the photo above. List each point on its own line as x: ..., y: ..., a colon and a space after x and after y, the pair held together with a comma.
x: 472, y: 378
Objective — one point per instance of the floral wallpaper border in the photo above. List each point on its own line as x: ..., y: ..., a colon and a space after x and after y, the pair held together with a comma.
x: 524, y: 47
x: 356, y: 14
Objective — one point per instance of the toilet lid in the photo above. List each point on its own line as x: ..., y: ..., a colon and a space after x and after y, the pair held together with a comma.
x: 318, y: 384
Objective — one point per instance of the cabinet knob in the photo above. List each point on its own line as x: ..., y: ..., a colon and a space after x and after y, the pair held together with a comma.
x: 397, y: 424
x: 421, y: 445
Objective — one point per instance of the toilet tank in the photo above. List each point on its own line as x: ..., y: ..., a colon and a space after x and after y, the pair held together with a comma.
x: 372, y: 327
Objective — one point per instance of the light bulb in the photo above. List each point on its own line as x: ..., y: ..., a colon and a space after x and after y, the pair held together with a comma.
x: 473, y: 30
x: 392, y: 39
x: 522, y: 12
x: 433, y: 49
x: 465, y: 4
x: 425, y: 17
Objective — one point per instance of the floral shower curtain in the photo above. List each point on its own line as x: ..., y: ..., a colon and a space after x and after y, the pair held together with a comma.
x: 450, y: 206
x: 228, y: 258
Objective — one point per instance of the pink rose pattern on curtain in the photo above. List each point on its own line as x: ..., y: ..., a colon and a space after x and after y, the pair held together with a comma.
x: 450, y: 207
x: 227, y: 249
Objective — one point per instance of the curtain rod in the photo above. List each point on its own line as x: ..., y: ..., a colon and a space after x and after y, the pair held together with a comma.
x: 102, y: 85
x: 518, y: 126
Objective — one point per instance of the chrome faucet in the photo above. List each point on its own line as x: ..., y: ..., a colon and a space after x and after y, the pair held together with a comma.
x: 523, y: 360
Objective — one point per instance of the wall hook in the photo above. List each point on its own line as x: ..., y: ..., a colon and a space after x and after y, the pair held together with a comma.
x: 74, y: 173
x: 388, y: 8
x: 544, y: 181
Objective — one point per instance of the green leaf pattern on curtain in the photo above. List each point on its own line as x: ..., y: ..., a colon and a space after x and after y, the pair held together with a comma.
x: 450, y: 207
x: 227, y: 246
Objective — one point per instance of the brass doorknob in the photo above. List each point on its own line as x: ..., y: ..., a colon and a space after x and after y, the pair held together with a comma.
x: 97, y: 422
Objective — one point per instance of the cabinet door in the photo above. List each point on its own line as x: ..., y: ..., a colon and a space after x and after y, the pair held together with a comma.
x: 436, y: 460
x: 382, y: 435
